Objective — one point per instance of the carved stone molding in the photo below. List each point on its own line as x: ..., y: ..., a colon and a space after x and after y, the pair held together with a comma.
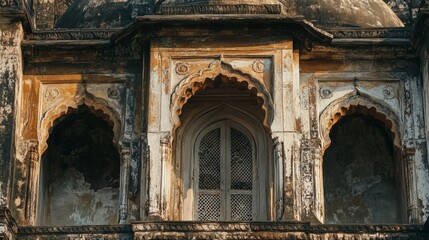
x: 94, y: 104
x: 372, y: 33
x: 224, y: 230
x: 219, y: 9
x: 90, y: 34
x: 189, y: 86
x: 272, y: 230
x: 358, y: 103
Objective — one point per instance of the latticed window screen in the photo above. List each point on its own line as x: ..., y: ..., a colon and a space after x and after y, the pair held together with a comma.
x: 225, y: 176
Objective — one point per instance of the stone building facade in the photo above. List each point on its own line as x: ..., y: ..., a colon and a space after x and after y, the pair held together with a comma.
x: 214, y: 119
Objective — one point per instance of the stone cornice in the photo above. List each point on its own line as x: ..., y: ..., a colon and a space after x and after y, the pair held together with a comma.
x: 218, y: 9
x: 52, y: 230
x: 72, y: 34
x: 223, y: 230
x: 399, y: 36
x: 400, y: 33
x: 271, y: 226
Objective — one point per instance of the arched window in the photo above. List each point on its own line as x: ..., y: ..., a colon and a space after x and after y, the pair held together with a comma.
x: 223, y: 156
x: 224, y: 176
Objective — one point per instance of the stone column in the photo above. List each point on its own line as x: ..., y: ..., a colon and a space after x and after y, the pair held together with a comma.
x: 413, y: 208
x: 125, y: 174
x: 11, y: 35
x: 8, y: 225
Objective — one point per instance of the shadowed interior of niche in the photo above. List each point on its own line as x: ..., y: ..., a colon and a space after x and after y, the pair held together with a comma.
x: 80, y: 172
x: 362, y: 174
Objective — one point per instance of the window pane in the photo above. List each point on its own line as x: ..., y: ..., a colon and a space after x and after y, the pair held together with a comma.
x: 208, y: 207
x: 241, y: 161
x: 241, y: 207
x: 209, y: 160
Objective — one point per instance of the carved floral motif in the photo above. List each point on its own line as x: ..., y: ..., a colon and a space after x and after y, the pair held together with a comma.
x: 51, y: 94
x: 258, y: 66
x: 114, y: 92
x: 182, y: 68
x: 389, y: 92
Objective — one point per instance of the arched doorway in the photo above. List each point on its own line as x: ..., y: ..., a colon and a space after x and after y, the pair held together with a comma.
x: 80, y: 172
x: 363, y: 180
x: 223, y: 150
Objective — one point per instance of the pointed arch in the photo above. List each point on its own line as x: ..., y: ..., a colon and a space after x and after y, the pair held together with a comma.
x: 357, y: 102
x: 96, y: 105
x: 201, y: 80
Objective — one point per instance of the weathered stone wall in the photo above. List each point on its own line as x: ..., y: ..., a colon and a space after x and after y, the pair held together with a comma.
x: 341, y: 77
x: 11, y: 35
x: 57, y: 80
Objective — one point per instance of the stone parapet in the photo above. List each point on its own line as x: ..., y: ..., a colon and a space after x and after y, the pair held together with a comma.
x: 273, y: 230
x: 118, y: 232
x: 224, y: 230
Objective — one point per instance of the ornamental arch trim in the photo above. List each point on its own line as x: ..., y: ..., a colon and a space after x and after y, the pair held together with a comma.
x: 97, y: 106
x: 197, y: 81
x: 363, y: 104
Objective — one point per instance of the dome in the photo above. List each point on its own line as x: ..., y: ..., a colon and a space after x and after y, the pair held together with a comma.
x: 351, y: 13
x: 323, y: 13
x: 358, y: 13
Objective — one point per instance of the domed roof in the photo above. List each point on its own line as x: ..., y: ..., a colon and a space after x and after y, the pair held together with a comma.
x: 323, y: 13
x: 359, y: 13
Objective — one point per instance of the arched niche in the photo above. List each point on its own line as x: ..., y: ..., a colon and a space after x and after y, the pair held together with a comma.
x: 362, y: 163
x: 223, y: 102
x: 80, y: 170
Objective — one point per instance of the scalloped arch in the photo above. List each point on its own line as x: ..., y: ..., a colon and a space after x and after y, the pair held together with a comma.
x: 98, y: 106
x: 358, y: 103
x: 189, y: 86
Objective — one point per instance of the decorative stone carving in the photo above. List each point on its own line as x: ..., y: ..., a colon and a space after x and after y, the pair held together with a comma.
x: 187, y: 88
x: 51, y: 94
x: 258, y: 66
x: 91, y: 102
x: 182, y: 68
x: 389, y: 92
x: 361, y: 103
x: 114, y: 92
x: 219, y: 9
x: 326, y: 92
